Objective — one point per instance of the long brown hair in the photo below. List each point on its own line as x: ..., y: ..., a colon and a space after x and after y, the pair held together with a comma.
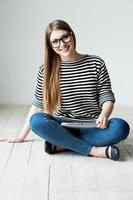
x: 52, y: 62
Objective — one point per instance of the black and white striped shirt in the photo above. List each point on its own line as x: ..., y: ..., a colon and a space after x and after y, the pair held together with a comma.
x: 85, y: 85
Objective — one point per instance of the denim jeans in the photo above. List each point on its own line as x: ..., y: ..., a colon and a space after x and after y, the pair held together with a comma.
x: 80, y: 140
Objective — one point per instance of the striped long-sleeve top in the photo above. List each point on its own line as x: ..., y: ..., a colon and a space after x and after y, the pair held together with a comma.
x: 85, y: 85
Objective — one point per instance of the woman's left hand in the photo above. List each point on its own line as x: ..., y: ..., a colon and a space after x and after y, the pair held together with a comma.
x: 102, y: 121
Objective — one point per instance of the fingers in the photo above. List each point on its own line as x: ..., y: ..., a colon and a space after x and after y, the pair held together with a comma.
x: 10, y: 139
x: 3, y: 139
x: 101, y: 122
x: 14, y: 140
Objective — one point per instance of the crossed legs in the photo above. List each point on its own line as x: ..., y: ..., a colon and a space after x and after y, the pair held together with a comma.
x: 84, y: 141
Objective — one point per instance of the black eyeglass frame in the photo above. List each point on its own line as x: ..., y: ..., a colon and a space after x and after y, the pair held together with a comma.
x: 61, y: 39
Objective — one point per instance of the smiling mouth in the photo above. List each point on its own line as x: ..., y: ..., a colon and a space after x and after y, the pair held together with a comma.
x: 64, y: 49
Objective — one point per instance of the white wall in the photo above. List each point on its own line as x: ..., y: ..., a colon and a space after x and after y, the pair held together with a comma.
x: 102, y: 27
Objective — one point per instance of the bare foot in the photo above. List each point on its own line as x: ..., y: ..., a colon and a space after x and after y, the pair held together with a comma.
x: 98, y: 152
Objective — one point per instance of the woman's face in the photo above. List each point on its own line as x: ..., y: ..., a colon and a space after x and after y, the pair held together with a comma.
x: 62, y: 43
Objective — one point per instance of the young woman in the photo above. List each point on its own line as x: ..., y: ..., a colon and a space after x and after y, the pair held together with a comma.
x: 76, y: 86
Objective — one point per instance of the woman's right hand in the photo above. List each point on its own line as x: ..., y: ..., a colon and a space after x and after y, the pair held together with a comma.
x: 13, y: 139
x: 25, y: 130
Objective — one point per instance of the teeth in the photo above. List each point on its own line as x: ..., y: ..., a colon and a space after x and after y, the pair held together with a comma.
x: 64, y: 49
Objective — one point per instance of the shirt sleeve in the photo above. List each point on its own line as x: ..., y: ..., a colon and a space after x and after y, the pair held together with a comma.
x: 104, y: 86
x: 38, y: 94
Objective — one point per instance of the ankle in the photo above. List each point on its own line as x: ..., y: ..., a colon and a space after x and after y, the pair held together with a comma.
x: 92, y: 151
x: 98, y: 151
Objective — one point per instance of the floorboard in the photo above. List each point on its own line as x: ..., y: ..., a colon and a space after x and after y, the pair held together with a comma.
x: 27, y: 172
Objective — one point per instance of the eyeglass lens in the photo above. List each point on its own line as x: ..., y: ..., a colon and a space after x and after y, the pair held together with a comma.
x: 65, y: 38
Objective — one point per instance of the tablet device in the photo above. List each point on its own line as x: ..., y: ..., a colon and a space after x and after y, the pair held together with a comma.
x: 80, y: 124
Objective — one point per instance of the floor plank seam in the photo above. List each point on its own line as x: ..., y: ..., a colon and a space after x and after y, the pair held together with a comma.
x: 6, y: 163
x: 26, y: 174
x: 30, y: 150
x: 49, y: 181
x: 98, y: 187
x: 73, y: 186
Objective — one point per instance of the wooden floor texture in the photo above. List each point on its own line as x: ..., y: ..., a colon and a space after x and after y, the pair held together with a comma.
x: 28, y: 173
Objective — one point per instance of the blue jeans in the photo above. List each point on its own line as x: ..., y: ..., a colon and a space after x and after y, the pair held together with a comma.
x: 80, y: 140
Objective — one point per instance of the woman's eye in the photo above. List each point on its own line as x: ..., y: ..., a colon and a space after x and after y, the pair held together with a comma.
x: 55, y: 41
x: 66, y: 36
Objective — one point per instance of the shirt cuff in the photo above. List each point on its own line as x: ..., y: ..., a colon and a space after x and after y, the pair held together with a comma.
x: 107, y: 96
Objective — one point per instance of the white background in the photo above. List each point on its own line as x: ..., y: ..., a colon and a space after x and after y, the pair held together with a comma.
x: 102, y: 27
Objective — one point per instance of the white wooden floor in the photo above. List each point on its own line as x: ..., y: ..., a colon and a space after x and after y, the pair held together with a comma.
x: 28, y: 173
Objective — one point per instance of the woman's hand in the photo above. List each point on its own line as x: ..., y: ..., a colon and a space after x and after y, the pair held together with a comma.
x: 25, y: 130
x: 13, y: 139
x: 102, y: 121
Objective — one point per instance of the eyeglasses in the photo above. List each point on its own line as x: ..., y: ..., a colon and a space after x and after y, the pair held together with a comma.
x: 65, y: 38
